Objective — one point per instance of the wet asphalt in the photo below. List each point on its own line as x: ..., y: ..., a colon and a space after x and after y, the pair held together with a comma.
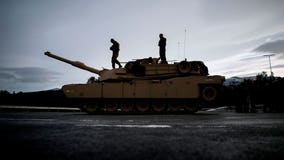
x: 204, y: 135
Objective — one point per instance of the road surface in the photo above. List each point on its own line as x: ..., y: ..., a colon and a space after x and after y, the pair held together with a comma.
x: 205, y: 135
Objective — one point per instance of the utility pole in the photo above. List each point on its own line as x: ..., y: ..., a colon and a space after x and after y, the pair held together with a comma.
x: 269, y: 55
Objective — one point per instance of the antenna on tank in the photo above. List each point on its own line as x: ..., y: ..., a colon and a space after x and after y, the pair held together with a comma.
x: 184, y: 45
x: 178, y: 50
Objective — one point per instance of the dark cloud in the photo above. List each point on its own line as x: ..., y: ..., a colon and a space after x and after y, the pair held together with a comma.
x: 278, y: 66
x: 222, y: 11
x: 251, y: 58
x: 6, y: 76
x: 271, y: 47
x: 28, y: 75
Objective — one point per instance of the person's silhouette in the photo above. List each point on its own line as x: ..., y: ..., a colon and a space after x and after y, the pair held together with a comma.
x: 162, y: 50
x: 115, y: 51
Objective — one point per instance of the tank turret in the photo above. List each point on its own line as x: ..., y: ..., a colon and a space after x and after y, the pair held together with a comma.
x: 146, y: 68
x: 151, y: 67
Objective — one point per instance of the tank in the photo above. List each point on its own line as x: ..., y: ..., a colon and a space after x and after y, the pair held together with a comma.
x: 144, y: 85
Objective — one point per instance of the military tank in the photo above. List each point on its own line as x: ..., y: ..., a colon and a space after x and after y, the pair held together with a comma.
x: 144, y: 85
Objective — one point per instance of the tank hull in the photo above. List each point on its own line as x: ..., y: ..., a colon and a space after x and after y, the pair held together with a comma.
x: 189, y: 93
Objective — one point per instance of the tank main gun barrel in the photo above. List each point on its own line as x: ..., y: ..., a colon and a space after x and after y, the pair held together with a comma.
x: 77, y: 64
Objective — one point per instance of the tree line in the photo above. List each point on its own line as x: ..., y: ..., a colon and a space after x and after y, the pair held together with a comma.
x: 262, y: 91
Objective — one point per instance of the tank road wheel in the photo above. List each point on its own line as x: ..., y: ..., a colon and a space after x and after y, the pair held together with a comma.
x: 91, y: 108
x: 209, y: 93
x: 191, y: 108
x: 175, y: 107
x: 111, y: 106
x: 184, y: 67
x: 159, y: 106
x: 142, y: 106
x: 127, y: 107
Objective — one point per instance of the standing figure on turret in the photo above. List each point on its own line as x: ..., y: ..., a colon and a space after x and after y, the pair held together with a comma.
x: 115, y: 50
x: 162, y: 51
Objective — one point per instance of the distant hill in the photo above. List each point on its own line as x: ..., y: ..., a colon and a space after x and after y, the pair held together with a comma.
x: 237, y: 80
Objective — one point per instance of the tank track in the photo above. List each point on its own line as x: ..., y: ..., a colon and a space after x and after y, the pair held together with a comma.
x: 139, y: 107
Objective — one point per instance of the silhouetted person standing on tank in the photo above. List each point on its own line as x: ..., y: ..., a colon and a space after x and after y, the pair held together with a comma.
x: 115, y: 51
x: 162, y: 51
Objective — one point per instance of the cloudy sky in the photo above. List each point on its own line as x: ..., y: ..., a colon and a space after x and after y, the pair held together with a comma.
x: 230, y: 36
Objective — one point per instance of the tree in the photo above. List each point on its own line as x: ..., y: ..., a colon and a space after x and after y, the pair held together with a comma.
x: 261, y: 76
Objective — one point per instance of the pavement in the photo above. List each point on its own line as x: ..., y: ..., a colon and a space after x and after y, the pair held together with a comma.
x: 204, y: 135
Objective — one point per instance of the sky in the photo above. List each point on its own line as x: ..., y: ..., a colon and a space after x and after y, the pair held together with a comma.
x: 231, y: 37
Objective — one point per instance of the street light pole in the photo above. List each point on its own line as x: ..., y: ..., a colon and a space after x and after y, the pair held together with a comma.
x: 269, y: 55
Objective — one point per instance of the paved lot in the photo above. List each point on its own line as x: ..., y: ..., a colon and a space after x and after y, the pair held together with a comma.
x: 205, y: 135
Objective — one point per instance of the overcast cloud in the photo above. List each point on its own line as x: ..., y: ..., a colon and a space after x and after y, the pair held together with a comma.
x: 250, y: 62
x: 28, y: 75
x: 272, y: 47
x: 230, y: 36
